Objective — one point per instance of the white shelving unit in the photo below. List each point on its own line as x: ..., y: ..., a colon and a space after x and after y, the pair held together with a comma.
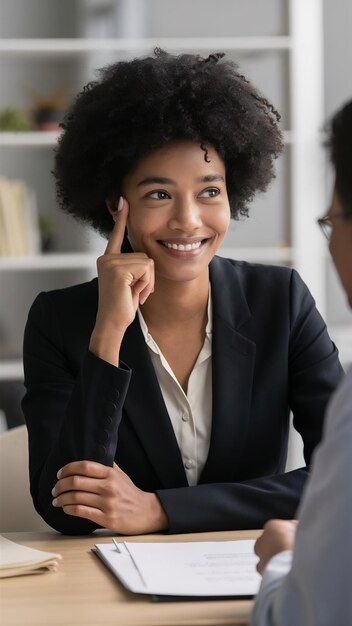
x: 30, y: 139
x: 11, y: 369
x: 303, y: 45
x: 17, y: 47
x: 50, y: 261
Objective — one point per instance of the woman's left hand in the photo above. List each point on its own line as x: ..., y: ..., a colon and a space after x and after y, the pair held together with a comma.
x: 108, y: 497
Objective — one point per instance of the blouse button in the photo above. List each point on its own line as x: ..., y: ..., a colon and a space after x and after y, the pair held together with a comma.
x: 189, y: 464
x: 185, y: 417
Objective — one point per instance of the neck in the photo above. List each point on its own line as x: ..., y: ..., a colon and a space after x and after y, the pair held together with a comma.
x: 176, y: 303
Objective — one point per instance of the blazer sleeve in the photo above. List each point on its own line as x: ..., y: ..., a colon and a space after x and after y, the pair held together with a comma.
x: 314, y: 372
x: 69, y: 416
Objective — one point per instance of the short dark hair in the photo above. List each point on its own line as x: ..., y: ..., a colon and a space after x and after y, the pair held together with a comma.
x: 340, y: 143
x: 140, y: 105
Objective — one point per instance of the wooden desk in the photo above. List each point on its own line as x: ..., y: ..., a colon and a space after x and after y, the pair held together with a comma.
x: 84, y: 593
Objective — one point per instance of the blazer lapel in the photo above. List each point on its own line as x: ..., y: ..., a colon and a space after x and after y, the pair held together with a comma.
x: 233, y: 358
x: 145, y: 408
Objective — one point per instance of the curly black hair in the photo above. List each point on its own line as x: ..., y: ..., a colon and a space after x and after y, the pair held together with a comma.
x: 340, y: 144
x: 142, y: 104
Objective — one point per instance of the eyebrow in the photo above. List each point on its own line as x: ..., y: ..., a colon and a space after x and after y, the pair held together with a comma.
x: 160, y: 180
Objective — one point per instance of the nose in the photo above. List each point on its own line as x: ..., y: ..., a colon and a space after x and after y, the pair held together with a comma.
x: 186, y: 215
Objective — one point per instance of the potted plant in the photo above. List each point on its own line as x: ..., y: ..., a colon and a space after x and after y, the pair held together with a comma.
x: 13, y: 119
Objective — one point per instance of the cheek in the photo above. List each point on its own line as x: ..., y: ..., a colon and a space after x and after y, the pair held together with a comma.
x: 224, y: 219
x: 136, y: 222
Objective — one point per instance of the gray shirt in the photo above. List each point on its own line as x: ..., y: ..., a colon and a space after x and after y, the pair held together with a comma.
x: 313, y: 585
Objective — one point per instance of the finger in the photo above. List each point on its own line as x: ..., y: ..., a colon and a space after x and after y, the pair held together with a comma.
x: 87, y: 512
x: 84, y: 468
x: 125, y: 259
x: 145, y: 293
x: 118, y: 232
x: 143, y: 284
x: 79, y: 498
x: 148, y: 289
x: 258, y: 544
x: 77, y: 483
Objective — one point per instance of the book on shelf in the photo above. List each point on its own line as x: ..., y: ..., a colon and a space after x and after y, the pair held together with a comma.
x: 19, y: 226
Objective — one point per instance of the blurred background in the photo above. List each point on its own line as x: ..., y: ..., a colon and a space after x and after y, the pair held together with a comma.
x: 298, y: 52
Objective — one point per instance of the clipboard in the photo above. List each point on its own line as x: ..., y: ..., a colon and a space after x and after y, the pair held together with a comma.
x: 179, y: 572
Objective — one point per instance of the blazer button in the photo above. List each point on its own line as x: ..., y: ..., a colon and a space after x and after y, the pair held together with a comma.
x: 108, y: 421
x: 103, y: 436
x: 99, y: 451
x: 110, y: 407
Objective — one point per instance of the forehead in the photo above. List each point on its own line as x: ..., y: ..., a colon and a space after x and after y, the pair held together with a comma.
x: 180, y: 158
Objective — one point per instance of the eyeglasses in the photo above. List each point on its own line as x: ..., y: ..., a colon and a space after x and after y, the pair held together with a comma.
x: 326, y: 223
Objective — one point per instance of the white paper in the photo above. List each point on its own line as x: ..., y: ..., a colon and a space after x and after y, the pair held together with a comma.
x: 216, y: 568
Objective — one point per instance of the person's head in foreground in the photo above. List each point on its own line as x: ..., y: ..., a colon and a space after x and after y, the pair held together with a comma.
x: 196, y: 122
x: 337, y: 226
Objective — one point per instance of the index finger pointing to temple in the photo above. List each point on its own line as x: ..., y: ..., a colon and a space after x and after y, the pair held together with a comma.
x: 118, y: 232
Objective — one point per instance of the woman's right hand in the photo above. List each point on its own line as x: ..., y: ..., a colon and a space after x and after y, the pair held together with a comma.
x: 125, y: 281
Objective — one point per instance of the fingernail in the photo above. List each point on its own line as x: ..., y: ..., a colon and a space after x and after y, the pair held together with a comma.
x: 120, y: 204
x: 55, y: 503
x: 59, y: 473
x: 53, y: 492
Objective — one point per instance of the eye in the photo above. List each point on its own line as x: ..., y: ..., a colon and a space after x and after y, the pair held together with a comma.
x: 158, y: 195
x: 211, y: 192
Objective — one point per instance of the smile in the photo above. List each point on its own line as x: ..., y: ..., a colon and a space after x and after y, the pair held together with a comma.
x: 182, y: 247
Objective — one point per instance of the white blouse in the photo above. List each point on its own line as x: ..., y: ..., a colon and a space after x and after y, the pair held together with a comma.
x: 191, y: 413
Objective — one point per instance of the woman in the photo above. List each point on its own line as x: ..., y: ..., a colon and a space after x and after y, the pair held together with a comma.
x: 316, y: 591
x: 161, y: 391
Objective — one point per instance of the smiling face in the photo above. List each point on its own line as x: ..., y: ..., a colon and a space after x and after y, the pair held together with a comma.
x: 179, y: 210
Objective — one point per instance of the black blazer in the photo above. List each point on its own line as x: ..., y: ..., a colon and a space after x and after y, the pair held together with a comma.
x: 271, y: 353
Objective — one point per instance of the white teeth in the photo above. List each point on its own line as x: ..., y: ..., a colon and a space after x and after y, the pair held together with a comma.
x: 182, y: 247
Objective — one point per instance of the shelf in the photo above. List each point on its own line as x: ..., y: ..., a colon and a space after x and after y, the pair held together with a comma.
x: 54, y: 261
x: 49, y: 138
x: 267, y: 254
x: 87, y: 260
x: 35, y: 138
x: 11, y: 369
x: 81, y: 46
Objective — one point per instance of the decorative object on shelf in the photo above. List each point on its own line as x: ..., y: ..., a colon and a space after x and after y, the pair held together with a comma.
x: 48, y: 111
x: 47, y: 230
x: 14, y: 119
